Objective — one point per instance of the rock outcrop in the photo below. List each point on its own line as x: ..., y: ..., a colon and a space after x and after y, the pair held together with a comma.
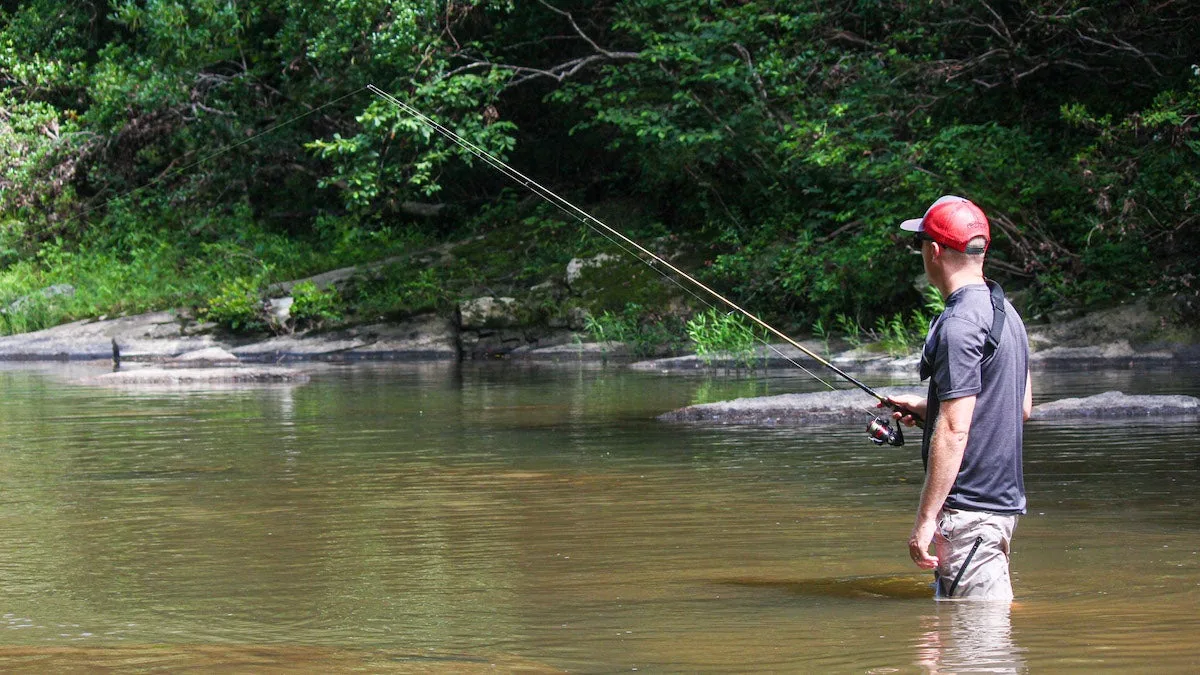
x: 852, y: 404
x: 1116, y: 405
x: 814, y: 408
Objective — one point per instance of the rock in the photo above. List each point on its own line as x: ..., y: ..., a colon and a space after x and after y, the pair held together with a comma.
x: 577, y: 266
x: 45, y: 294
x: 208, y: 355
x: 154, y: 335
x: 426, y: 337
x: 279, y: 310
x: 784, y: 356
x: 820, y: 407
x: 851, y: 404
x: 572, y: 350
x: 577, y: 318
x: 1114, y: 353
x: 161, y: 336
x: 488, y: 312
x: 1116, y: 405
x: 1134, y: 323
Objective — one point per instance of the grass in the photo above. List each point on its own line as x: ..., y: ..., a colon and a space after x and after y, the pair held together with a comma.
x: 898, y: 335
x: 717, y: 335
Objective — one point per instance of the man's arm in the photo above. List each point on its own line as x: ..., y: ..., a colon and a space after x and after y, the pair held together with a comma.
x: 1028, y: 405
x: 945, y: 457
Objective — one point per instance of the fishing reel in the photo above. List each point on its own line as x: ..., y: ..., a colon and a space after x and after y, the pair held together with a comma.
x: 884, y: 432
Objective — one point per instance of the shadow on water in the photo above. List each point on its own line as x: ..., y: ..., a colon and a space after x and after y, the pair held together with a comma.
x: 889, y: 587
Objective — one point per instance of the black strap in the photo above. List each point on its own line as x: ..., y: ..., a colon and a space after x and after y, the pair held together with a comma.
x: 963, y: 568
x: 998, y: 316
x: 994, y: 333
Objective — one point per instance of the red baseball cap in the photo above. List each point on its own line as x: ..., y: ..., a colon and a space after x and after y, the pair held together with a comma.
x: 952, y: 221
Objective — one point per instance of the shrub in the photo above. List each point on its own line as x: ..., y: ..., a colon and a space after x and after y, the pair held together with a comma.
x: 644, y: 332
x: 237, y: 306
x: 715, y: 334
x: 314, y: 307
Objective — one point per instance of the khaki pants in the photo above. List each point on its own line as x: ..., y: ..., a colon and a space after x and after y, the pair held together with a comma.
x: 972, y: 549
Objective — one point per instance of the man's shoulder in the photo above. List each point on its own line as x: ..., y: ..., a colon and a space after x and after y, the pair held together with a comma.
x: 968, y: 308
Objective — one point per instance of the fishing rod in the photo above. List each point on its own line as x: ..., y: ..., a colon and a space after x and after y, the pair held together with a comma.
x: 880, y: 430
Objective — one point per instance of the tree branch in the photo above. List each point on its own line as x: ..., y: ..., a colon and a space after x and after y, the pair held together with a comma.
x: 759, y: 86
x: 557, y: 72
x: 574, y: 25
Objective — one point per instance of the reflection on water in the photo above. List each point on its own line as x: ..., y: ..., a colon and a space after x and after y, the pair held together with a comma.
x: 437, y: 518
x: 969, y: 637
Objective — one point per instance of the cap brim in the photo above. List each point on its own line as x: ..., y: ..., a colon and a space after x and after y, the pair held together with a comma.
x: 913, y: 225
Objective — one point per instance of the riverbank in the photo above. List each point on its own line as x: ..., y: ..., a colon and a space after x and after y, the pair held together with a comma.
x: 170, y: 349
x: 1123, y: 337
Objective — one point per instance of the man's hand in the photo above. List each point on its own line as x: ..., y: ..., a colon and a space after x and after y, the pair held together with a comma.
x: 907, y: 408
x: 918, y: 544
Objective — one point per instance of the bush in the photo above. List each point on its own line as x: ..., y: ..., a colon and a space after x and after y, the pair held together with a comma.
x: 237, y: 307
x: 715, y: 334
x: 313, y: 307
x: 645, y: 333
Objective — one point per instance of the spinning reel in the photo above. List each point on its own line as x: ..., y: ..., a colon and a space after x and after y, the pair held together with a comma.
x: 883, y: 432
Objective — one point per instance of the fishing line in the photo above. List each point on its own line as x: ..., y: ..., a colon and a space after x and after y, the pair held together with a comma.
x: 614, y: 236
x: 879, y: 430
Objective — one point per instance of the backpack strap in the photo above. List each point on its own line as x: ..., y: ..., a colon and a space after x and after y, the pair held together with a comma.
x: 998, y: 316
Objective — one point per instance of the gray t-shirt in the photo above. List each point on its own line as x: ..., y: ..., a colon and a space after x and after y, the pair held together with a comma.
x: 954, y: 359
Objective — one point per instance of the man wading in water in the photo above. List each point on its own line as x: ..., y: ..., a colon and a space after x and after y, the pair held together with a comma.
x: 976, y: 358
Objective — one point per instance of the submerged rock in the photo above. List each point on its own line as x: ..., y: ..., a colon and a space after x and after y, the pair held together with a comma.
x: 850, y: 405
x: 1114, y: 404
x: 818, y: 407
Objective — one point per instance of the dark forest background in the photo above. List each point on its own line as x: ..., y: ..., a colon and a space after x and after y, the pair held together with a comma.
x: 163, y: 153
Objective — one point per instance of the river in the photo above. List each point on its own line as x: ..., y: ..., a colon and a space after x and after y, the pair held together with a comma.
x: 500, y: 517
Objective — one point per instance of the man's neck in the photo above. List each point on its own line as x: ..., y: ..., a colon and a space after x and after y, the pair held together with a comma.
x: 961, y: 278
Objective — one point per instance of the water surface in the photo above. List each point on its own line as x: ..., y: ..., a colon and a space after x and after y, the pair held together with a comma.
x: 417, y: 518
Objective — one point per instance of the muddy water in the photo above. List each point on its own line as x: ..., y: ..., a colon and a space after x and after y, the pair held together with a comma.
x: 445, y: 519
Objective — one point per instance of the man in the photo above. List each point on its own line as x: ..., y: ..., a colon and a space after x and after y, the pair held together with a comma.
x: 976, y: 358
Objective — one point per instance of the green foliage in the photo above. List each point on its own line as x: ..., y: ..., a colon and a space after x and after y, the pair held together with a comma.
x: 718, y: 335
x: 851, y: 329
x: 899, y: 336
x: 645, y: 333
x: 314, y: 307
x: 823, y: 334
x: 398, y: 291
x: 935, y: 304
x: 237, y: 306
x: 31, y: 313
x: 609, y: 327
x: 895, y: 334
x: 153, y: 153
